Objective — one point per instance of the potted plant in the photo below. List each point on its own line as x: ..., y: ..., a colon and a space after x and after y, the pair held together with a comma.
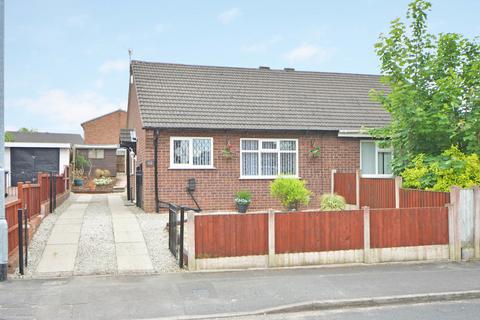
x: 77, y: 177
x: 291, y: 192
x: 227, y: 151
x: 314, y: 152
x: 243, y: 200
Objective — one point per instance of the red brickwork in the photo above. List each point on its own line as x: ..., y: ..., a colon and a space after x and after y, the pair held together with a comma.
x: 105, y: 129
x: 216, y: 187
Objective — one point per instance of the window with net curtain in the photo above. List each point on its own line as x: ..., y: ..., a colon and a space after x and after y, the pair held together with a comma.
x: 375, y: 160
x: 268, y: 157
x: 191, y: 152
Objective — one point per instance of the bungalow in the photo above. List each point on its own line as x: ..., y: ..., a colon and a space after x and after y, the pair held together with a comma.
x: 31, y: 152
x: 203, y: 133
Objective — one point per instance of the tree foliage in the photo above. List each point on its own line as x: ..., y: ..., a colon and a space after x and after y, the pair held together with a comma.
x: 433, y: 93
x: 9, y: 137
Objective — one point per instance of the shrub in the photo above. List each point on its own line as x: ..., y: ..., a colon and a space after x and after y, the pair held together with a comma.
x: 106, y: 173
x: 98, y: 173
x: 81, y: 162
x: 332, y: 202
x: 291, y: 192
x: 440, y: 173
x: 102, y: 181
x: 243, y: 197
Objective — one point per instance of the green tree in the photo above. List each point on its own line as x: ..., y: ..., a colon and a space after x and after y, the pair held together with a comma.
x: 9, y: 137
x: 24, y: 129
x: 433, y: 93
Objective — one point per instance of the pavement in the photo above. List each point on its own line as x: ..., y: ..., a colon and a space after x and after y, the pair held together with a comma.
x: 90, y: 237
x: 228, y: 294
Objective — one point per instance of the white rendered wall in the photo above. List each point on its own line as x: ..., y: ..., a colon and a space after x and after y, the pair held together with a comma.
x: 64, y: 159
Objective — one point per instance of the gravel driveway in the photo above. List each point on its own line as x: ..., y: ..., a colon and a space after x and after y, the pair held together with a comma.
x: 99, y: 234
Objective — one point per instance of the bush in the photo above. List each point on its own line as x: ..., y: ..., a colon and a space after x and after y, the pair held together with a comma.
x: 440, y: 173
x: 243, y: 197
x: 291, y: 192
x: 102, y: 181
x: 332, y: 202
x: 81, y: 162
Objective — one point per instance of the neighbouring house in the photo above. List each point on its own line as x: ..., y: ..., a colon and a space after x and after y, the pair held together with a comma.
x: 33, y: 152
x: 101, y: 147
x: 234, y: 129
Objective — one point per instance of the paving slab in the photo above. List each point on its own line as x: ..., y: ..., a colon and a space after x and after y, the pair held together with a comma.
x: 73, y: 215
x: 61, y: 221
x: 67, y: 227
x: 128, y: 236
x: 134, y: 263
x: 126, y: 226
x: 63, y: 237
x: 58, y: 258
x: 131, y: 249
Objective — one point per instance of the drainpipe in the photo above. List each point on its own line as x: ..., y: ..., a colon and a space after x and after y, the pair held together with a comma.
x: 156, y: 134
x: 3, y: 221
x: 127, y: 150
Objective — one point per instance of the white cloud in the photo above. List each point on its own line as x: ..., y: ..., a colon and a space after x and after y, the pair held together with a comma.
x: 228, y: 16
x: 63, y: 111
x: 262, y: 47
x: 117, y: 65
x: 309, y: 53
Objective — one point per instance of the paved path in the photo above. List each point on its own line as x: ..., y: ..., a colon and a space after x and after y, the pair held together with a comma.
x: 210, y: 293
x: 98, y: 234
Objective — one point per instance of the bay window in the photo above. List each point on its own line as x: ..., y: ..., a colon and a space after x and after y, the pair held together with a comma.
x: 268, y: 158
x: 191, y: 153
x: 375, y: 160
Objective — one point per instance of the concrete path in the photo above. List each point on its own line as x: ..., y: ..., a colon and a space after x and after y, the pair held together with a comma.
x: 95, y: 234
x: 212, y: 293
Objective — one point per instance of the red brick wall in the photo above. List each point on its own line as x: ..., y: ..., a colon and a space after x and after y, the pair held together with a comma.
x: 216, y: 188
x: 106, y: 129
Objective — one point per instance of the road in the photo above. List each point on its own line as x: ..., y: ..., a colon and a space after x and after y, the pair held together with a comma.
x: 457, y: 310
x: 188, y: 294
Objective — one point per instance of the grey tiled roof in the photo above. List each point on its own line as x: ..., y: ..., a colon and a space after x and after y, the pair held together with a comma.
x: 187, y: 96
x: 46, y: 137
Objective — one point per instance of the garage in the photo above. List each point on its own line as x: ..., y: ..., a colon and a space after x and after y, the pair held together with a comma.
x: 27, y: 162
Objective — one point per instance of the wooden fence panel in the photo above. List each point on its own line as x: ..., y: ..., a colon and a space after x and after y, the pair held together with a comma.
x: 11, y: 214
x: 44, y: 180
x: 318, y: 231
x: 408, y: 227
x: 345, y: 184
x: 231, y: 235
x: 411, y: 198
x: 377, y: 192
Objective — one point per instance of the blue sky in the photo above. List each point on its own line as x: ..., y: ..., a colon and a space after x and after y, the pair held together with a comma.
x: 67, y: 61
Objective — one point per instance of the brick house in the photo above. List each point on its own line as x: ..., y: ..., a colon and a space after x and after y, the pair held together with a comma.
x: 236, y: 129
x: 101, y: 137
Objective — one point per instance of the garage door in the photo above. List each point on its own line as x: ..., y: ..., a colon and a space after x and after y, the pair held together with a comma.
x: 27, y: 162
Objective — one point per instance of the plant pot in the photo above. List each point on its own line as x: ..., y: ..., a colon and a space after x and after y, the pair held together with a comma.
x: 78, y: 182
x: 242, y: 208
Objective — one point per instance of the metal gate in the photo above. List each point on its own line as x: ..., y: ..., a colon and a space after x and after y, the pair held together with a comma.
x: 176, y: 221
x: 139, y: 186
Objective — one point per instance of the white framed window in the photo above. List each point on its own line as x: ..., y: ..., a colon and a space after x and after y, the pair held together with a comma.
x: 375, y: 161
x: 96, y: 154
x: 191, y: 153
x: 268, y: 158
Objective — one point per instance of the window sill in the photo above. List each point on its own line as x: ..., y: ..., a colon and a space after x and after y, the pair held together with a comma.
x: 266, y: 178
x: 192, y: 168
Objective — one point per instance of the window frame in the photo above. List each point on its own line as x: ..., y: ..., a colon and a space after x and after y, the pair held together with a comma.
x: 377, y: 151
x: 96, y: 150
x: 190, y: 164
x: 261, y: 150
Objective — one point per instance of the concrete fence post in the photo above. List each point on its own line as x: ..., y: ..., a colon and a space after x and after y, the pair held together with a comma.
x: 476, y: 210
x: 332, y: 181
x: 271, y: 238
x: 398, y: 186
x: 366, y: 235
x: 191, y: 240
x: 454, y: 225
x: 358, y: 176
